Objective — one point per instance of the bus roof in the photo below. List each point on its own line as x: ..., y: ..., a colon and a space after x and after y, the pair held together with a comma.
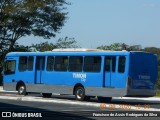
x: 76, y: 50
x: 72, y: 53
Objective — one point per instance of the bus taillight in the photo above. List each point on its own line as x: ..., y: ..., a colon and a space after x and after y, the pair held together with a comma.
x: 129, y: 82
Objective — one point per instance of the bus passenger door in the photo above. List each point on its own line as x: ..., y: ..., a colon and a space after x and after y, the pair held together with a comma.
x: 40, y: 63
x: 110, y: 67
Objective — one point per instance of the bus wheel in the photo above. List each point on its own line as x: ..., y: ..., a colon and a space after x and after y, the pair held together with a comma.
x: 22, y: 89
x: 47, y: 95
x: 104, y: 99
x: 80, y: 93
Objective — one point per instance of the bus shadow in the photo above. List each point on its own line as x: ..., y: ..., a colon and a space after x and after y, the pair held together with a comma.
x: 13, y: 111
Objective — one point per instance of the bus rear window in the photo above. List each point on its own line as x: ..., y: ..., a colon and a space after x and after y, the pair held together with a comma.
x: 10, y: 67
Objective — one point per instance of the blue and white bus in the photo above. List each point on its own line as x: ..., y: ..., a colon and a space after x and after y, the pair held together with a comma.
x: 104, y: 74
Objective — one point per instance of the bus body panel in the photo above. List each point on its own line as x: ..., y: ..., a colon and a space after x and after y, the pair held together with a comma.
x: 71, y: 78
x: 110, y: 84
x: 143, y: 73
x: 11, y: 77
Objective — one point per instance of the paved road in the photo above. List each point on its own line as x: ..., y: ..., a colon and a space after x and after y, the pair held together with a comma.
x: 51, y: 109
x: 65, y: 106
x: 143, y: 104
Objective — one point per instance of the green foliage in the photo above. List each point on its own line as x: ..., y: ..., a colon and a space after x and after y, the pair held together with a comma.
x: 61, y: 43
x: 43, y: 47
x: 120, y: 46
x: 21, y: 48
x: 66, y: 43
x: 115, y: 46
x: 152, y: 50
x: 18, y: 18
x: 158, y: 93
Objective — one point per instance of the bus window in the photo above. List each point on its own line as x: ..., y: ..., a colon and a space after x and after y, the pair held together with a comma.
x: 92, y: 64
x: 22, y: 63
x: 50, y: 63
x: 10, y: 67
x: 40, y: 62
x: 108, y: 62
x: 61, y: 63
x: 75, y: 63
x: 30, y: 63
x: 121, y: 64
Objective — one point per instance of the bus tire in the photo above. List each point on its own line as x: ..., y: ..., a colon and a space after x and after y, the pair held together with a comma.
x: 104, y: 99
x: 47, y: 95
x: 80, y: 93
x: 22, y: 89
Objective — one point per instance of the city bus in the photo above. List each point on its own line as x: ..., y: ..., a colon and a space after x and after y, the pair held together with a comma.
x: 84, y: 73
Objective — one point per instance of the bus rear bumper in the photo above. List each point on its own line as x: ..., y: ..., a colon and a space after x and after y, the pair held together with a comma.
x: 140, y: 93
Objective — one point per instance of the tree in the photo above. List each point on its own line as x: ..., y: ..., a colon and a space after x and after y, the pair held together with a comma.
x: 114, y: 46
x: 21, y: 48
x: 19, y: 18
x: 45, y: 46
x: 120, y: 46
x: 66, y: 43
x: 152, y: 50
x: 61, y: 43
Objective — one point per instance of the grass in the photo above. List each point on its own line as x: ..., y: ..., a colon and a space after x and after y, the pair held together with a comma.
x: 158, y: 93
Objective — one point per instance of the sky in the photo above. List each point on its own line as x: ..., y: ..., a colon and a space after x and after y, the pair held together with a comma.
x: 103, y: 22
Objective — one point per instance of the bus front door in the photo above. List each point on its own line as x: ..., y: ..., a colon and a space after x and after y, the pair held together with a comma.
x: 40, y: 62
x: 110, y: 67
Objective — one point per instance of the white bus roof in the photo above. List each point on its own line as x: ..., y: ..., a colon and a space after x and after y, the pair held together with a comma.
x: 75, y: 49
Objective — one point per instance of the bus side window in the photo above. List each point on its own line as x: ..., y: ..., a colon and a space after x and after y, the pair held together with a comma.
x: 107, y: 64
x: 61, y: 63
x: 50, y: 63
x: 40, y: 62
x: 22, y: 64
x: 121, y: 64
x: 75, y: 63
x: 10, y: 66
x: 92, y: 64
x: 30, y: 63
